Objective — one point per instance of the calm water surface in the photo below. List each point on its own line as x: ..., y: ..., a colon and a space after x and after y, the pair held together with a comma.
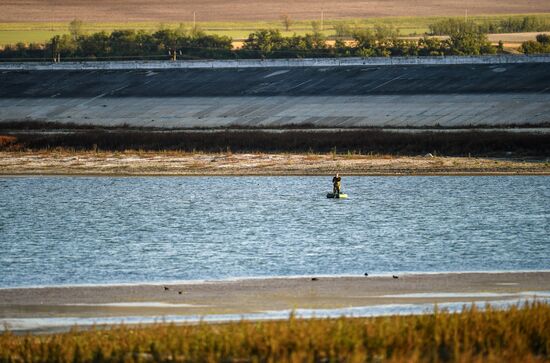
x: 75, y: 230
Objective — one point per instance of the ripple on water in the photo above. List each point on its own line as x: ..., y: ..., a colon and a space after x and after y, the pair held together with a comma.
x: 76, y: 230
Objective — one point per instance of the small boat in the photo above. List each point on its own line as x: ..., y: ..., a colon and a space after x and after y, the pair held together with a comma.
x: 337, y: 196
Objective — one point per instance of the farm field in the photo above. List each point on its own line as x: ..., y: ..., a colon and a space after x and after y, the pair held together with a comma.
x: 40, y: 32
x: 246, y: 10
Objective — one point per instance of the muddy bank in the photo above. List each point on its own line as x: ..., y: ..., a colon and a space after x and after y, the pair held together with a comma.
x: 263, y: 295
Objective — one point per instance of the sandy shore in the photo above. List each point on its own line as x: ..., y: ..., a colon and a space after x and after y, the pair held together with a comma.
x: 259, y: 295
x: 175, y: 163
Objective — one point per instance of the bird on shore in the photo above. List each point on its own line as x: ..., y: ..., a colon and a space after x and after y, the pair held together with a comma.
x: 314, y: 279
x: 166, y: 288
x: 180, y: 292
x: 366, y: 274
x: 395, y: 276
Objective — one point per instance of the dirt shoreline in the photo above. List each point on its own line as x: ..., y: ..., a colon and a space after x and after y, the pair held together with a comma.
x: 267, y: 294
x: 136, y: 163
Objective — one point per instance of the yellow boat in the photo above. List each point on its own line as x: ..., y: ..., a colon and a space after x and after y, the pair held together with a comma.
x: 337, y: 196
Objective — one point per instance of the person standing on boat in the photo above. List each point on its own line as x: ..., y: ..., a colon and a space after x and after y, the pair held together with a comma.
x: 336, y: 184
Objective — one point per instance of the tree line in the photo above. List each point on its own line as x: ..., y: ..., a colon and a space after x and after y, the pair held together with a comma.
x: 529, y: 23
x: 125, y: 44
x: 464, y: 38
x: 380, y: 42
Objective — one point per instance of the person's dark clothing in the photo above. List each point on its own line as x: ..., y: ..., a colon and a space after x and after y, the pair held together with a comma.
x: 336, y: 182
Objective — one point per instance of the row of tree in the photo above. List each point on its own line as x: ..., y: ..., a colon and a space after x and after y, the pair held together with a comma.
x: 465, y: 38
x: 382, y: 42
x: 125, y: 44
x: 268, y: 43
x: 530, y: 23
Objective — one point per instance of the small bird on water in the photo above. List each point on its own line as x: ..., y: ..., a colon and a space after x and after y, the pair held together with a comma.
x: 366, y: 274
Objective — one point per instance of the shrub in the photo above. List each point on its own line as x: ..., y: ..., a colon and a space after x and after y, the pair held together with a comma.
x: 540, y: 46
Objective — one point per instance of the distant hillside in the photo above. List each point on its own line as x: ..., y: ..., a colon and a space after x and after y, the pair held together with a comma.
x: 251, y: 10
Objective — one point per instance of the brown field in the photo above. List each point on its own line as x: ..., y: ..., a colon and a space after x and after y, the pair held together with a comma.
x: 246, y: 10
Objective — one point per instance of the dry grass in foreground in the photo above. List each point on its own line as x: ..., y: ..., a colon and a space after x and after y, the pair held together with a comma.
x: 66, y: 162
x: 497, y: 142
x: 519, y: 334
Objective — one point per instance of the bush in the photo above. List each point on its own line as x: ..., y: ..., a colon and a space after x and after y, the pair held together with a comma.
x: 540, y: 46
x: 470, y: 42
x: 342, y: 30
x: 543, y: 38
x: 269, y: 43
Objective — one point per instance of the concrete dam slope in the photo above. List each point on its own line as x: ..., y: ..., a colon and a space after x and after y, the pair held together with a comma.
x: 356, y: 95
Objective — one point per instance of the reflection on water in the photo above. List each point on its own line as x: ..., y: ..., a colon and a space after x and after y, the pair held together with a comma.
x: 73, y: 230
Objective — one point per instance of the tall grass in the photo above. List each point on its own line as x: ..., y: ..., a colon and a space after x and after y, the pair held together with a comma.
x: 364, y: 141
x: 519, y: 334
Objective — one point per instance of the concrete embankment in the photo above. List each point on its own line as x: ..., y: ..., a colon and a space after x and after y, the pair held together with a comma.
x: 451, y: 92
